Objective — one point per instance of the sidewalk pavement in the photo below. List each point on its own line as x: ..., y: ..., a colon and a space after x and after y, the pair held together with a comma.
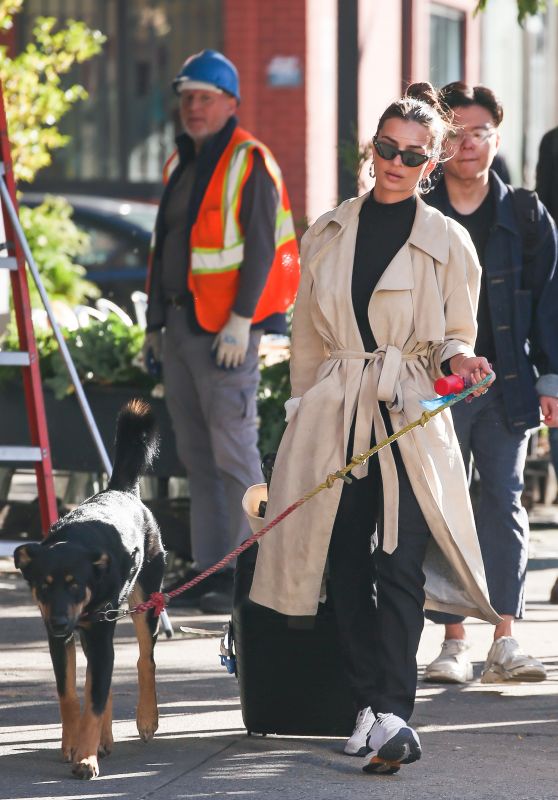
x: 496, y: 741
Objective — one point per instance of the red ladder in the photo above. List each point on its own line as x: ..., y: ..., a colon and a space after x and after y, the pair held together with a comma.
x: 13, y: 259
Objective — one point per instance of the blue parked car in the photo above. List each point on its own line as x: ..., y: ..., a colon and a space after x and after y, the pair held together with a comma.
x: 120, y: 233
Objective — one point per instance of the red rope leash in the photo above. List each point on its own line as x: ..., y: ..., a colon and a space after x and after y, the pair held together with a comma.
x: 158, y: 600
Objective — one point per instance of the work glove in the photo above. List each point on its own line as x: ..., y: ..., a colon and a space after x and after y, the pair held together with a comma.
x: 152, y: 353
x: 231, y: 343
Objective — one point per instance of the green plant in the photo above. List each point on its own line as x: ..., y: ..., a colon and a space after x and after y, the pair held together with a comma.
x: 32, y: 81
x: 36, y: 97
x: 273, y: 392
x: 105, y: 353
x: 524, y: 8
x: 56, y: 243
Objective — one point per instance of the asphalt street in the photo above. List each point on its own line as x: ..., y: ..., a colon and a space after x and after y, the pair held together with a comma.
x: 497, y: 741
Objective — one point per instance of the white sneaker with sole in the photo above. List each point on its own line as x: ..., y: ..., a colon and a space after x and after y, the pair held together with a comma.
x: 392, y: 743
x: 452, y: 665
x: 356, y: 745
x: 506, y: 662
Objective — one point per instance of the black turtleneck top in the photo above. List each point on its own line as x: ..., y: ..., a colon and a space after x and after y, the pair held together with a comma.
x: 383, y: 229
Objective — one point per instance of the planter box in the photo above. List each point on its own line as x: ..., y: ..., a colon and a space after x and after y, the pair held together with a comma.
x: 72, y: 446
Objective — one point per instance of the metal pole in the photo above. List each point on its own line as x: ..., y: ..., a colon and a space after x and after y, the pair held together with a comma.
x: 82, y: 399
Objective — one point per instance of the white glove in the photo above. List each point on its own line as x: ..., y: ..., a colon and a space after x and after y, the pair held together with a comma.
x: 152, y: 351
x: 231, y: 343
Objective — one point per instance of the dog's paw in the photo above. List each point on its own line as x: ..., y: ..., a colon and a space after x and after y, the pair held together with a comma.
x: 147, y: 725
x: 105, y: 749
x: 68, y: 753
x: 70, y: 739
x: 87, y: 768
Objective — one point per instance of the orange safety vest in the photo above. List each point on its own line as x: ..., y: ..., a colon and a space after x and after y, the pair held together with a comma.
x: 217, y: 240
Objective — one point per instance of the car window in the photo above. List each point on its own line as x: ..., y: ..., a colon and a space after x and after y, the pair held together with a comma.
x: 144, y: 217
x: 113, y: 249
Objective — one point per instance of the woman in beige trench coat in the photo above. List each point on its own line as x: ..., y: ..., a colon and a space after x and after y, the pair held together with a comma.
x: 387, y: 304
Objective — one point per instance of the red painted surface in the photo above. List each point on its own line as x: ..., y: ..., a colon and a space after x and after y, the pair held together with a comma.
x: 8, y: 38
x: 256, y: 32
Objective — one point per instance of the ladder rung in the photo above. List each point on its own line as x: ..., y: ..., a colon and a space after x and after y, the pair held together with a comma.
x: 10, y: 358
x: 9, y: 453
x: 8, y: 262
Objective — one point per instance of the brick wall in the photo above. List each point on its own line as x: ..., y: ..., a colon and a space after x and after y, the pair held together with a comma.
x: 254, y: 32
x: 8, y: 39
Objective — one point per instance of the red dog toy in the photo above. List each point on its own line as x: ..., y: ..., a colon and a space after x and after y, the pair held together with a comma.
x: 452, y: 384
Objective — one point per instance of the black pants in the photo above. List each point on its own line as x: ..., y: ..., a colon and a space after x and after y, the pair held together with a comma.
x: 378, y: 598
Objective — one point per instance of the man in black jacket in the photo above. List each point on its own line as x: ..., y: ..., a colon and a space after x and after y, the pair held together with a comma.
x: 516, y: 243
x: 547, y: 172
x: 547, y: 189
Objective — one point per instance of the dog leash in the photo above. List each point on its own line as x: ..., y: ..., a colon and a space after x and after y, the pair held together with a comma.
x: 159, y: 600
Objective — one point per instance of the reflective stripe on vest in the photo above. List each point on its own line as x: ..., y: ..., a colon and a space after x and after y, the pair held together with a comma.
x: 230, y: 256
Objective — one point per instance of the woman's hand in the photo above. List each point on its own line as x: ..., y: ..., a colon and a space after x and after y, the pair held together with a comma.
x: 549, y: 408
x: 472, y: 370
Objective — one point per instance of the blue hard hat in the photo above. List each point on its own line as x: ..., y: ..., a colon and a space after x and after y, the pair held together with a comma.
x: 208, y: 69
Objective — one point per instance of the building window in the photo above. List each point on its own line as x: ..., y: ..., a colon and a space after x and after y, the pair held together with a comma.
x: 123, y: 133
x: 447, y: 37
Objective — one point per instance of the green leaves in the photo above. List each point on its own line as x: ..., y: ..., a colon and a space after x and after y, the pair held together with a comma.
x: 35, y: 100
x: 105, y: 353
x: 524, y: 8
x: 56, y: 243
x: 8, y: 10
x: 274, y: 391
x: 34, y: 94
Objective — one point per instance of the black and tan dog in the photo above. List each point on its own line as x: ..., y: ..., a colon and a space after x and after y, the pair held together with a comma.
x: 104, y: 551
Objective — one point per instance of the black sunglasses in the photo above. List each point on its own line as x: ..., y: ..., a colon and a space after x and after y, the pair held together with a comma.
x: 408, y: 157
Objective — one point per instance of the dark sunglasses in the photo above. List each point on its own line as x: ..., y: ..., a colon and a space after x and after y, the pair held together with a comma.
x: 408, y: 157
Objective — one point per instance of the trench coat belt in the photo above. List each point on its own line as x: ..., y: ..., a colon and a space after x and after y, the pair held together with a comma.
x: 379, y: 381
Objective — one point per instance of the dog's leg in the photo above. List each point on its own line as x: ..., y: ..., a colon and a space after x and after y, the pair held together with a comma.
x: 63, y: 655
x: 147, y: 715
x: 107, y: 742
x: 99, y: 651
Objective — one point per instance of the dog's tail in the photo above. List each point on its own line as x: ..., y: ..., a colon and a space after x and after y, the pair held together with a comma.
x: 136, y: 445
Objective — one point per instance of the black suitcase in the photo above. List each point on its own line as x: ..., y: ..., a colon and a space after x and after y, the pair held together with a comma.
x: 289, y: 669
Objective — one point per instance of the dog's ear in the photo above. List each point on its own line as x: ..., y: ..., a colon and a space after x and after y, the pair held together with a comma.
x: 101, y: 561
x: 24, y: 555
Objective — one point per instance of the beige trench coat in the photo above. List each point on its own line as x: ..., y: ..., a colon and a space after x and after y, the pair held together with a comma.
x: 422, y: 311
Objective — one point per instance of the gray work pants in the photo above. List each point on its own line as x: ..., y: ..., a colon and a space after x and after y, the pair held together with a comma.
x: 214, y: 417
x: 499, y: 455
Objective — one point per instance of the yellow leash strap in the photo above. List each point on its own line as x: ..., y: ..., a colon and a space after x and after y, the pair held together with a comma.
x: 158, y: 600
x: 423, y: 420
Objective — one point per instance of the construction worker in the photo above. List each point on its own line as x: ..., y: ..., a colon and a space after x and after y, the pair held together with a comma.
x: 225, y: 268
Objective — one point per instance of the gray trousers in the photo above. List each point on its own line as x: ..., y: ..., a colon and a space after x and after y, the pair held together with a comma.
x: 499, y: 455
x: 214, y: 417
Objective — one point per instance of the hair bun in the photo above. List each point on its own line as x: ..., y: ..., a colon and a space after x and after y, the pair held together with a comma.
x: 426, y: 93
x: 423, y: 91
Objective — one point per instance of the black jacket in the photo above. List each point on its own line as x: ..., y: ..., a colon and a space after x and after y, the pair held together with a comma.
x: 522, y: 286
x: 547, y: 172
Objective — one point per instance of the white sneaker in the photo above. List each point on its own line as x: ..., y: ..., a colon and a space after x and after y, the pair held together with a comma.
x: 356, y: 745
x: 392, y: 743
x: 506, y: 662
x: 452, y: 665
